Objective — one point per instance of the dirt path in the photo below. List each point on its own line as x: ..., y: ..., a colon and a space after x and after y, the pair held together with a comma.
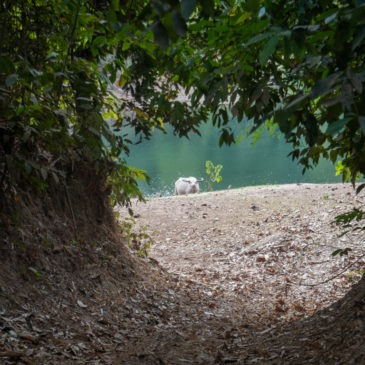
x: 256, y: 243
x: 259, y: 250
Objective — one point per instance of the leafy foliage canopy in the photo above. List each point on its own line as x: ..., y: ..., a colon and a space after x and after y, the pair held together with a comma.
x: 296, y: 63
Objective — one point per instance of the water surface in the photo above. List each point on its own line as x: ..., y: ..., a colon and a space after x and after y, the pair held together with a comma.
x: 166, y: 158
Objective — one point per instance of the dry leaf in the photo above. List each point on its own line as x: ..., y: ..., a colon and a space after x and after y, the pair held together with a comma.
x: 314, y: 345
x: 81, y: 304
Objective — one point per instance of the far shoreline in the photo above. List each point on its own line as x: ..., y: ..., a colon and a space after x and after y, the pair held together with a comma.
x: 289, y: 186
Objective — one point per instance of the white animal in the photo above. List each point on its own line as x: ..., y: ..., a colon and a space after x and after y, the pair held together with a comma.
x: 187, y: 185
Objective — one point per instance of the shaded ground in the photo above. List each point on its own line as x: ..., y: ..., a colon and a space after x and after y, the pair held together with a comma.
x: 222, y: 284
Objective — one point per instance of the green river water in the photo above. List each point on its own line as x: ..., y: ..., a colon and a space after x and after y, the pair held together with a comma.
x: 166, y: 157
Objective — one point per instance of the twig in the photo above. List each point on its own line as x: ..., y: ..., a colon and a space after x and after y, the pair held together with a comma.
x: 70, y: 44
x: 16, y: 355
x: 55, y: 161
x: 3, y: 178
x: 71, y: 39
x: 12, y: 354
x: 330, y: 278
x: 72, y: 212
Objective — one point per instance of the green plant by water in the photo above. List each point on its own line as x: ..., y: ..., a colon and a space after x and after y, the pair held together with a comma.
x: 213, y: 173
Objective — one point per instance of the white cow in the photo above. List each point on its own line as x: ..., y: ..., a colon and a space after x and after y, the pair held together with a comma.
x: 187, y: 185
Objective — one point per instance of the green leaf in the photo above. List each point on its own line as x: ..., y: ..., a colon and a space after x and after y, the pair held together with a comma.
x: 34, y: 271
x: 226, y: 138
x: 6, y: 66
x: 160, y: 35
x: 115, y: 5
x: 65, y: 3
x: 359, y: 188
x: 259, y: 37
x: 52, y: 55
x: 94, y: 131
x: 187, y: 7
x: 334, y: 253
x: 358, y: 39
x: 170, y: 28
x: 281, y: 117
x: 330, y: 18
x: 44, y: 173
x: 333, y: 156
x: 208, y: 6
x: 61, y: 113
x: 324, y: 86
x: 268, y: 50
x: 28, y: 167
x: 179, y: 23
x: 337, y: 126
x: 341, y: 251
x: 296, y: 101
x: 126, y: 45
x: 221, y: 140
x: 35, y: 72
x: 355, y: 80
x: 122, y: 80
x: 253, y: 5
x: 362, y: 124
x: 55, y: 177
x: 99, y: 40
x: 245, y: 15
x: 11, y: 80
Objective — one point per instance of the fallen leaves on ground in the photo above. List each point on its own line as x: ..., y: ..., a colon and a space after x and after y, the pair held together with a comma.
x: 224, y: 283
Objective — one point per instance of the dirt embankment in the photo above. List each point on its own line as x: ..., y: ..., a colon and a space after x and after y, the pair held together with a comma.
x: 233, y: 277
